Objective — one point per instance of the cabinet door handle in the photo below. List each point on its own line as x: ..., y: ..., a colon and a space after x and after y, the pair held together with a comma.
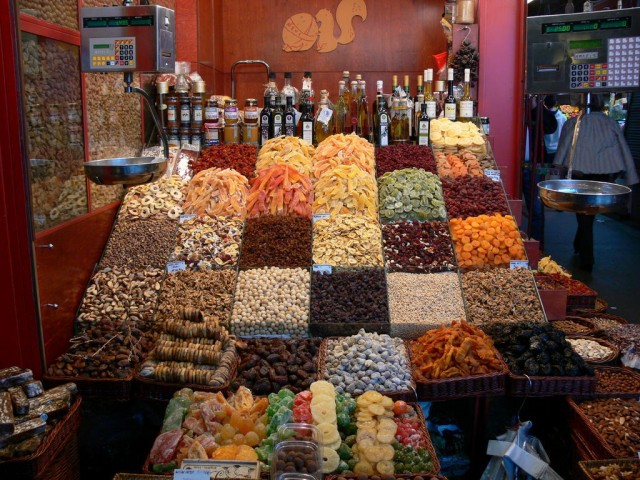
x: 46, y: 245
x: 52, y: 305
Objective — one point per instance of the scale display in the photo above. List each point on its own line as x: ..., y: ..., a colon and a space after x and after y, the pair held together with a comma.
x: 113, y: 52
x: 584, y: 52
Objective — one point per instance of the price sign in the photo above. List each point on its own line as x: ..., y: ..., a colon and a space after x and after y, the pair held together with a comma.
x: 298, y: 116
x: 319, y: 216
x: 323, y: 268
x: 519, y: 264
x: 493, y: 174
x: 186, y: 474
x: 325, y: 115
x: 173, y: 267
x: 185, y: 218
x: 222, y: 469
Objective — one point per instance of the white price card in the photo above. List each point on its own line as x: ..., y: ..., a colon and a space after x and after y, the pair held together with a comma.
x: 325, y: 115
x: 173, y: 267
x: 322, y: 268
x: 493, y: 174
x: 319, y: 216
x: 298, y: 116
x: 519, y: 264
x: 185, y: 218
x: 223, y: 468
x: 187, y: 474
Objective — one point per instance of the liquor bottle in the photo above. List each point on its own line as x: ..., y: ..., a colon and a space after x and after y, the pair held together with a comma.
x: 417, y: 104
x: 307, y: 122
x: 466, y: 102
x: 277, y: 119
x: 324, y: 125
x: 363, y: 110
x: 353, y: 108
x: 265, y: 120
x: 340, y: 109
x: 347, y: 84
x: 395, y: 90
x: 290, y: 119
x: 429, y: 98
x: 423, y: 126
x: 307, y: 92
x: 381, y: 123
x: 409, y: 105
x: 288, y: 90
x: 271, y: 91
x: 450, y: 102
x: 399, y: 121
x: 379, y: 92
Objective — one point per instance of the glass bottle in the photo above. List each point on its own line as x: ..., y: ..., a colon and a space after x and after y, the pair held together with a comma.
x: 307, y: 122
x: 381, y: 122
x: 409, y: 104
x: 173, y: 111
x: 271, y: 92
x: 231, y: 122
x: 466, y: 102
x: 288, y: 90
x: 211, y: 124
x: 399, y: 121
x: 290, y: 119
x: 277, y: 119
x: 423, y: 126
x: 197, y: 105
x: 307, y: 92
x: 429, y: 98
x: 363, y: 110
x: 265, y: 119
x: 417, y: 103
x: 450, y: 105
x: 162, y: 90
x: 347, y: 84
x: 341, y: 109
x: 250, y: 131
x: 324, y: 125
x: 379, y: 92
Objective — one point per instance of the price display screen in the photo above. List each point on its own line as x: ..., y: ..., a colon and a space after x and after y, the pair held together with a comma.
x: 587, y: 25
x: 102, y: 22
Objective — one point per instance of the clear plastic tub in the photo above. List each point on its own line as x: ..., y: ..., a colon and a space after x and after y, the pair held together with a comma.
x: 296, y: 457
x: 299, y: 431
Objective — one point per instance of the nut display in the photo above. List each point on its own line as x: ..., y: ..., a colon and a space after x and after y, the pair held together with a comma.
x: 268, y: 364
x: 346, y: 189
x: 209, y: 291
x: 349, y: 296
x: 573, y: 327
x: 418, y: 247
x: 347, y: 241
x: 207, y: 242
x: 343, y: 149
x: 102, y: 195
x: 590, y: 350
x: 276, y: 241
x: 239, y: 157
x: 449, y: 137
x: 63, y: 13
x: 410, y: 194
x: 624, y: 336
x: 280, y: 190
x: 501, y: 296
x: 162, y: 198
x: 614, y: 471
x: 217, y: 192
x: 399, y: 156
x: 367, y: 361
x: 472, y: 196
x: 271, y: 301
x: 291, y: 151
x: 618, y: 421
x: 617, y: 380
x: 486, y: 240
x: 140, y: 243
x: 418, y: 302
x: 604, y: 323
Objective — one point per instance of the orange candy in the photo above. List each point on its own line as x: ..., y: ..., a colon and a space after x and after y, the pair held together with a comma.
x: 486, y: 240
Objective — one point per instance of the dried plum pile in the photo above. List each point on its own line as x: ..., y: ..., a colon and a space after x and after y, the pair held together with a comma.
x: 537, y: 350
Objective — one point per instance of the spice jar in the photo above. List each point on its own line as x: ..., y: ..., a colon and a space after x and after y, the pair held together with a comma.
x: 250, y: 133
x: 185, y: 111
x: 211, y: 134
x: 231, y: 111
x: 465, y: 12
x: 185, y: 136
x: 251, y: 111
x: 211, y: 112
x: 173, y: 115
x: 196, y: 137
x: 174, y: 137
x: 197, y: 105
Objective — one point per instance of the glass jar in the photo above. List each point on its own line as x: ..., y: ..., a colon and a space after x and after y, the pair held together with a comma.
x: 232, y: 133
x: 211, y: 134
x: 211, y: 114
x: 196, y: 137
x: 230, y: 112
x: 73, y: 114
x: 251, y: 111
x: 197, y: 105
x: 173, y: 113
x: 185, y: 136
x: 465, y: 12
x: 185, y: 111
x: 250, y: 133
x: 174, y: 137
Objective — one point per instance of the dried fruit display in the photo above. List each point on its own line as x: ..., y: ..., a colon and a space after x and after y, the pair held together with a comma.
x: 239, y: 157
x: 161, y: 198
x: 280, y: 190
x: 451, y: 166
x: 486, y: 240
x: 347, y: 241
x: 472, y: 196
x: 343, y: 149
x: 410, y: 194
x: 399, y: 156
x: 217, y: 192
x: 346, y: 189
x: 290, y: 151
x: 450, y: 137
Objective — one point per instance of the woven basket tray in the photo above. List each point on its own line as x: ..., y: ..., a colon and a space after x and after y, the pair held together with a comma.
x: 101, y: 388
x: 582, y: 322
x: 609, y: 359
x: 592, y: 439
x: 45, y: 460
x: 406, y: 395
x: 600, y: 306
x: 622, y: 370
x: 521, y: 386
x: 450, y: 388
x: 581, y: 450
x: 585, y: 466
x: 596, y: 329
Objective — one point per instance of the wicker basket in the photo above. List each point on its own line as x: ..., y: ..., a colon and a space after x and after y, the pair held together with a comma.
x: 56, y: 457
x: 118, y: 389
x: 586, y: 465
x: 449, y: 388
x: 591, y: 437
x: 582, y: 451
x: 596, y: 329
x: 609, y: 359
x: 406, y: 395
x: 522, y: 386
x: 586, y: 326
x: 600, y: 306
x: 622, y: 370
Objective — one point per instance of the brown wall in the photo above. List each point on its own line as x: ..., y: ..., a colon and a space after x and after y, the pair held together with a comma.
x: 397, y: 37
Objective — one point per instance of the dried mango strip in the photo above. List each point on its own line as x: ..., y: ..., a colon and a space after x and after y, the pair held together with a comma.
x: 343, y: 150
x: 280, y: 190
x: 217, y: 192
x: 346, y: 189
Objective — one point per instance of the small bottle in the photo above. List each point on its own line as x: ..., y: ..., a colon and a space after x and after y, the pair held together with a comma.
x: 466, y: 102
x: 307, y: 92
x: 271, y: 92
x: 439, y: 94
x: 324, y: 121
x: 381, y: 123
x: 251, y: 111
x: 429, y: 99
x: 265, y: 119
x: 197, y: 105
x: 353, y: 108
x: 423, y: 126
x: 363, y: 111
x: 288, y: 90
x: 307, y: 123
x: 277, y: 119
x: 450, y: 105
x: 341, y: 109
x: 162, y: 90
x: 173, y: 111
x: 211, y: 113
x: 290, y: 119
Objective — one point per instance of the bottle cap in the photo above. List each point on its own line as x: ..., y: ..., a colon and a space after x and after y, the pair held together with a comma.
x: 419, y: 80
x: 450, y: 74
x: 341, y: 83
x: 379, y: 84
x: 467, y: 75
x: 199, y: 87
x: 358, y: 77
x: 307, y: 74
x: 406, y: 79
x: 354, y: 83
x: 162, y: 87
x: 287, y: 74
x: 428, y: 74
x: 439, y: 85
x: 345, y: 73
x: 272, y: 75
x: 395, y: 79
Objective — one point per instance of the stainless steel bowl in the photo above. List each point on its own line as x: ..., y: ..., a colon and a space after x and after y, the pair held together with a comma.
x: 583, y: 196
x: 125, y: 171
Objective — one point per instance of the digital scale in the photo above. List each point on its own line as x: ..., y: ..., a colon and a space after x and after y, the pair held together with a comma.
x: 584, y: 52
x: 128, y: 39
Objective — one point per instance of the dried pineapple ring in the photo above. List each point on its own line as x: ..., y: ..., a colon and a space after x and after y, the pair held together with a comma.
x: 145, y: 212
x: 329, y: 433
x: 363, y: 468
x: 385, y: 467
x: 322, y: 386
x: 148, y: 200
x: 176, y: 194
x: 322, y: 398
x: 174, y: 212
x: 154, y: 188
x: 159, y: 204
x: 376, y: 409
x: 330, y: 460
x: 374, y: 454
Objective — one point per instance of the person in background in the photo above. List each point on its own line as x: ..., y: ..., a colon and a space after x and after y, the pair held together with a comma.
x: 601, y: 154
x: 551, y: 139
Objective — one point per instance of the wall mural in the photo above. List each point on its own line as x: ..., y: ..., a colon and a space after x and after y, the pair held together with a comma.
x: 302, y: 30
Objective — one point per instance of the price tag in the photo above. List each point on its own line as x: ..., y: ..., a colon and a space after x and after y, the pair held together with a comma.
x: 222, y: 469
x: 325, y: 115
x: 328, y: 269
x: 298, y: 116
x: 519, y: 264
x: 185, y: 218
x: 400, y: 91
x: 173, y: 267
x: 187, y: 474
x: 319, y: 216
x: 493, y: 174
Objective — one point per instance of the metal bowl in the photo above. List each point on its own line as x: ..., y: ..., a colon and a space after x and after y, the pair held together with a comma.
x: 125, y: 171
x: 584, y: 196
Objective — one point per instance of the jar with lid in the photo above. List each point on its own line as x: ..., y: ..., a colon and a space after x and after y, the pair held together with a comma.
x: 185, y: 136
x: 251, y: 111
x: 211, y: 114
x: 196, y: 137
x: 73, y: 113
x: 162, y: 91
x: 173, y: 111
x: 231, y: 112
x: 465, y: 12
x: 211, y: 134
x: 54, y: 113
x: 197, y: 105
x: 174, y: 137
x: 185, y: 111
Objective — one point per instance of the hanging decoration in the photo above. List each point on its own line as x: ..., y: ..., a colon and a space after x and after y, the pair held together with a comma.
x: 466, y: 57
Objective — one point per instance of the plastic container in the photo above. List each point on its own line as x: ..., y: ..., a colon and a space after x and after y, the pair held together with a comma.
x: 300, y: 432
x: 285, y: 458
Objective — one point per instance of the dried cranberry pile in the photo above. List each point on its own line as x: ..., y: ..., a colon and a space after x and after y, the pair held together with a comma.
x: 468, y: 196
x: 397, y: 157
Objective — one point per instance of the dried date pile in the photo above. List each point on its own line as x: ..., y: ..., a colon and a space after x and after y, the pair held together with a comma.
x: 276, y: 241
x: 397, y: 157
x: 418, y: 247
x: 267, y: 365
x: 240, y: 157
x: 618, y: 421
x: 469, y: 196
x: 349, y: 296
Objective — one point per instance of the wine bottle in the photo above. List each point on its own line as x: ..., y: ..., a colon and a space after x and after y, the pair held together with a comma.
x: 265, y: 121
x: 307, y: 92
x: 307, y: 122
x: 290, y: 119
x: 341, y: 109
x: 363, y: 111
x: 409, y: 100
x: 450, y: 105
x: 277, y: 119
x: 429, y: 98
x: 466, y: 102
x: 353, y: 108
x: 423, y: 126
x: 381, y: 123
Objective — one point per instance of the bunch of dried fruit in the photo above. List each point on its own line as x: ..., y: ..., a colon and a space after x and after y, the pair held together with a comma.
x: 291, y: 151
x: 280, y: 190
x: 346, y: 189
x: 217, y: 192
x: 343, y: 149
x: 347, y: 241
x: 410, y: 194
